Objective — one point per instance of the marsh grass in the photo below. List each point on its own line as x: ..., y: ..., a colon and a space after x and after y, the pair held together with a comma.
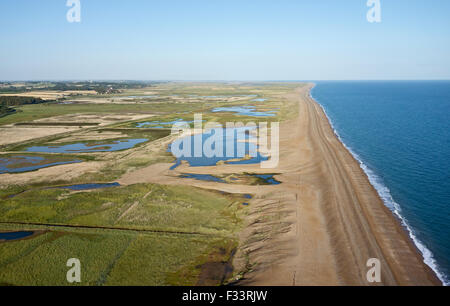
x: 109, y: 258
x: 159, y: 208
x: 118, y: 257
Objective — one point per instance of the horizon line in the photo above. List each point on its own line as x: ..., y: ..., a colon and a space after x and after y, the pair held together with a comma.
x: 218, y: 80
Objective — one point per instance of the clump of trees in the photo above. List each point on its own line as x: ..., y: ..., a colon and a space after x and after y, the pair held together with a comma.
x: 5, y: 110
x: 16, y: 100
x: 101, y: 87
x: 6, y: 102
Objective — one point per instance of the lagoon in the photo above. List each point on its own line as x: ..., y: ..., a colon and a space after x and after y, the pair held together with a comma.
x: 244, y: 111
x: 80, y: 147
x: 230, y: 145
x: 19, y: 164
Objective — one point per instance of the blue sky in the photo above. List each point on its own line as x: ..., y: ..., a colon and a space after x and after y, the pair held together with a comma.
x: 224, y: 40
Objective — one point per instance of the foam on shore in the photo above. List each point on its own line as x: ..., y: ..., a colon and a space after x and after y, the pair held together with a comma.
x: 385, y: 194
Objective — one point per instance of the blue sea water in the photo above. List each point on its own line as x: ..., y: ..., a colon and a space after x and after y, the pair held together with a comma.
x: 400, y: 132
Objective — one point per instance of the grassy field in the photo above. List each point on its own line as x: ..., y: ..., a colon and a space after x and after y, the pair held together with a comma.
x: 163, y: 105
x: 110, y: 258
x: 28, y: 113
x: 189, y: 226
x: 141, y: 206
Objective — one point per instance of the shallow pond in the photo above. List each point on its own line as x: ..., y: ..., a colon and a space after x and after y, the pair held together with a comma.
x: 264, y: 179
x: 116, y: 145
x: 231, y: 145
x: 18, y: 164
x: 244, y: 111
x: 78, y: 187
x: 267, y: 178
x: 15, y: 235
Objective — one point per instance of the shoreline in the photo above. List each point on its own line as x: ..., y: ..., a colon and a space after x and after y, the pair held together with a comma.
x: 396, y: 218
x: 334, y: 219
x: 385, y: 195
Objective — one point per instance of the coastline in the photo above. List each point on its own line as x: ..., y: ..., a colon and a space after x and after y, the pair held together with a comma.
x: 331, y: 245
x: 385, y: 195
x: 322, y: 224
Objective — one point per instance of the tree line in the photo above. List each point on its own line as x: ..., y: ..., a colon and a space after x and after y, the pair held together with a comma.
x: 7, y: 102
x: 100, y: 87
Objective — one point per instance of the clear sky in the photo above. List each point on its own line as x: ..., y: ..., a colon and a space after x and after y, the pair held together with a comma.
x: 224, y: 40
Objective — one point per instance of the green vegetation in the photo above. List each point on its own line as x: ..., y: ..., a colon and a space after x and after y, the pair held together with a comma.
x: 241, y: 178
x: 142, y: 234
x: 114, y: 168
x: 17, y: 161
x: 7, y: 101
x: 166, y: 105
x: 79, y: 124
x: 17, y: 101
x: 141, y: 206
x: 5, y: 110
x: 108, y: 257
x: 100, y: 87
x: 208, y: 220
x: 28, y: 113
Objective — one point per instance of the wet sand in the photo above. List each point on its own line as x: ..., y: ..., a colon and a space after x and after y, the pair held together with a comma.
x: 322, y: 224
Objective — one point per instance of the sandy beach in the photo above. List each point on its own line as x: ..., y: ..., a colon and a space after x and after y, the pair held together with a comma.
x: 322, y: 224
x: 338, y: 220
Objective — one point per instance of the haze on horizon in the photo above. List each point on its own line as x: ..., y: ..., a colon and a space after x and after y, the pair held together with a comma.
x: 226, y: 40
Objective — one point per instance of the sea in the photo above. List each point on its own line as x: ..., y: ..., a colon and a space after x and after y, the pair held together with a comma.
x: 399, y: 131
